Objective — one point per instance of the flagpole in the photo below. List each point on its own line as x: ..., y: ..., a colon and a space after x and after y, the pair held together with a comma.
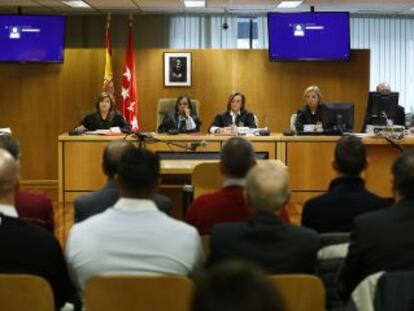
x: 108, y: 20
x: 108, y: 85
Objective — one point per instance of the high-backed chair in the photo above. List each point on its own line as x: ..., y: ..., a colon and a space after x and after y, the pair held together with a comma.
x: 293, y: 121
x: 331, y: 255
x: 300, y: 291
x: 25, y: 292
x: 206, y: 177
x: 125, y: 293
x: 167, y: 105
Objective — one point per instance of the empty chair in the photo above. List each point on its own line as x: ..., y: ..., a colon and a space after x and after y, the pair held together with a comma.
x: 292, y: 122
x: 206, y: 177
x: 25, y: 292
x: 152, y: 293
x: 300, y: 292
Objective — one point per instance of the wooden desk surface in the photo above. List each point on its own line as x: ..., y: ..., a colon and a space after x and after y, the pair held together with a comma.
x: 179, y: 167
x: 308, y: 158
x: 274, y: 137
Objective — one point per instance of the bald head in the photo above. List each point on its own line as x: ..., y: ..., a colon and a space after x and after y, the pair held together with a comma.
x: 9, y: 174
x: 112, y: 155
x: 267, y: 186
x: 383, y: 88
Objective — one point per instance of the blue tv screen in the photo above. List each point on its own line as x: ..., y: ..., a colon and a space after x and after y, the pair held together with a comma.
x: 32, y: 38
x: 309, y: 36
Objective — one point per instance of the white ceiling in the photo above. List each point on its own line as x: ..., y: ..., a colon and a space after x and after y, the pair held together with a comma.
x: 398, y: 7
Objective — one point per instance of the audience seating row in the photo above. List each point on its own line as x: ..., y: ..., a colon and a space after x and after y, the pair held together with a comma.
x: 173, y: 293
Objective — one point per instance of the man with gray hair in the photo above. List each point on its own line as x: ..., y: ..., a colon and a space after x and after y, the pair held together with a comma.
x: 398, y: 117
x: 264, y: 239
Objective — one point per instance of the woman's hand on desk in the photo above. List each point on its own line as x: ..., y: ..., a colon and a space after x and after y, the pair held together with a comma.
x: 224, y: 130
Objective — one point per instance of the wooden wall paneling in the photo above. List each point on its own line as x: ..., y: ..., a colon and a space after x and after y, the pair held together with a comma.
x: 310, y: 165
x: 378, y: 177
x: 41, y: 101
x: 81, y: 171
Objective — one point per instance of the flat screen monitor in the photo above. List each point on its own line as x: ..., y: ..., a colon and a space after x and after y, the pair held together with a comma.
x: 338, y: 117
x: 381, y: 107
x: 309, y: 36
x: 32, y: 38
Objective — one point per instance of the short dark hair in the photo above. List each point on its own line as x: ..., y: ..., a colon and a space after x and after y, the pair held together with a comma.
x: 233, y: 95
x: 139, y: 170
x: 112, y: 156
x: 237, y: 157
x: 350, y: 155
x: 235, y: 286
x: 11, y: 145
x: 403, y: 172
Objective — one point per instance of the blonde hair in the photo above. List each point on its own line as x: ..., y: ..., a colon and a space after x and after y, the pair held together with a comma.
x: 315, y: 89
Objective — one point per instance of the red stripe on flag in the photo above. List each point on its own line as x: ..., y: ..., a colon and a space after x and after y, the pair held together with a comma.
x: 129, y: 105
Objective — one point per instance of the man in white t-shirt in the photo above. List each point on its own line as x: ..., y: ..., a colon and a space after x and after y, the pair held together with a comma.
x: 133, y: 236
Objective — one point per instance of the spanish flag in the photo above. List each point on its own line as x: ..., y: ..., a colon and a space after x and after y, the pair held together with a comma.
x: 108, y: 85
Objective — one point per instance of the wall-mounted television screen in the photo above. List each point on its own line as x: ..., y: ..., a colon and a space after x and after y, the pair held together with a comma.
x: 309, y: 36
x: 32, y: 38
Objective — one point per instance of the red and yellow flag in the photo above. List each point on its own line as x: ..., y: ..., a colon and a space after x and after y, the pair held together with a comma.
x: 129, y: 105
x: 108, y: 84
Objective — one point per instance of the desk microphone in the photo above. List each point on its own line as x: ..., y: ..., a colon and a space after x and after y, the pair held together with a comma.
x: 143, y: 135
x: 196, y: 144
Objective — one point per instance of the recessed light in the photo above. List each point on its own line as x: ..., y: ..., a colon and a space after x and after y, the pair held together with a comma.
x: 77, y: 4
x: 195, y: 3
x: 289, y: 4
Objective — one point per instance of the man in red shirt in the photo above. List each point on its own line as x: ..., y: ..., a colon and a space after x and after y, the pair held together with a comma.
x: 228, y: 204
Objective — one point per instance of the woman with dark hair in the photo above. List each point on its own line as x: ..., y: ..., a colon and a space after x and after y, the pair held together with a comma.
x: 183, y: 119
x: 105, y: 116
x: 236, y: 114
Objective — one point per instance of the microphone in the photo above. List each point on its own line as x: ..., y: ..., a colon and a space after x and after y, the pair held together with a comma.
x: 143, y: 135
x: 393, y: 143
x: 194, y: 145
x: 340, y: 124
x: 388, y: 121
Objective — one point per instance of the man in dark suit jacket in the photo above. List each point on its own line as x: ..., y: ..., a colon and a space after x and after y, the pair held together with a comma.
x: 347, y: 196
x: 384, y: 240
x: 398, y: 119
x: 264, y: 239
x: 27, y: 249
x: 96, y: 202
x: 35, y: 208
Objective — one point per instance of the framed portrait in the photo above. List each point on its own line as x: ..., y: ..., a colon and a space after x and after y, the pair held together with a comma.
x: 177, y: 69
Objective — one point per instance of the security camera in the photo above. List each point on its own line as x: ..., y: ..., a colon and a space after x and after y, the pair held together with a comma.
x: 225, y: 26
